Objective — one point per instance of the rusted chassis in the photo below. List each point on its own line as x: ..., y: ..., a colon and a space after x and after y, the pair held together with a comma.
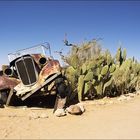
x: 8, y: 82
x: 49, y: 70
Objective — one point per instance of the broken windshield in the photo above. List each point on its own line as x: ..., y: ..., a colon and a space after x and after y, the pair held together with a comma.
x: 43, y: 48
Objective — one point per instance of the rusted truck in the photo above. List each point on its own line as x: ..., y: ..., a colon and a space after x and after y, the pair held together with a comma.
x: 32, y: 73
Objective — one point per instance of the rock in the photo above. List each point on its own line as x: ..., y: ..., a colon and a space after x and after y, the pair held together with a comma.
x: 76, y: 109
x: 43, y: 115
x: 81, y: 107
x: 138, y: 92
x: 122, y: 98
x: 60, y: 112
x: 102, y: 102
x: 132, y: 95
x: 111, y: 102
x: 33, y: 116
x: 37, y: 116
x: 12, y: 115
x: 127, y: 97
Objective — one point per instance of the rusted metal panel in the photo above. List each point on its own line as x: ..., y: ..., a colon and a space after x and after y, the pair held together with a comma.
x: 7, y: 82
x: 50, y: 68
x: 37, y: 57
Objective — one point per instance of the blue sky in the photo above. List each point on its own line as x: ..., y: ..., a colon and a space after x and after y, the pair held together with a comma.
x: 27, y: 23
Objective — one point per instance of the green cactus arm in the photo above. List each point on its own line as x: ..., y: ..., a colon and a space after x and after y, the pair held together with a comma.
x: 93, y: 82
x: 100, y: 77
x: 84, y: 68
x: 107, y: 84
x: 89, y: 76
x: 99, y: 88
x: 109, y: 59
x: 86, y: 87
x: 124, y: 54
x: 80, y: 87
x: 104, y: 70
x: 91, y: 64
x: 112, y: 68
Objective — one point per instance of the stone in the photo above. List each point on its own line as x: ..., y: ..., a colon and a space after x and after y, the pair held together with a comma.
x: 60, y: 112
x: 76, y: 109
x: 132, y: 95
x: 122, y: 98
x: 111, y: 102
x: 33, y: 116
x: 43, y: 115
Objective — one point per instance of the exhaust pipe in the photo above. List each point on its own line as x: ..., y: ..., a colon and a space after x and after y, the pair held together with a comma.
x: 7, y: 70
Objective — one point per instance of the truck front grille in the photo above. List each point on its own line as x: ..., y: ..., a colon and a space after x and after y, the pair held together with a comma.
x: 26, y: 70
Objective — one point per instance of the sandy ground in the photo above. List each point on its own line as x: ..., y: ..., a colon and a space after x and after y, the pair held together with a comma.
x: 103, y: 119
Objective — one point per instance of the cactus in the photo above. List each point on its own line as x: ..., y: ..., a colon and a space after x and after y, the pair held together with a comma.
x: 100, y: 77
x: 109, y: 59
x: 84, y: 68
x: 74, y: 50
x: 124, y: 54
x: 118, y: 54
x: 71, y: 70
x: 93, y: 82
x: 99, y: 88
x: 107, y: 84
x: 132, y: 84
x: 100, y: 62
x: 80, y: 87
x: 136, y: 68
x: 138, y: 84
x: 86, y: 87
x: 119, y: 58
x: 132, y: 76
x: 91, y: 64
x: 112, y: 68
x: 96, y: 71
x: 106, y: 74
x: 104, y: 70
x: 74, y: 61
x: 71, y: 75
x: 89, y: 76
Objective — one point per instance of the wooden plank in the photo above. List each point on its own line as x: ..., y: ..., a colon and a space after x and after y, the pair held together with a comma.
x: 9, y: 97
x: 39, y: 87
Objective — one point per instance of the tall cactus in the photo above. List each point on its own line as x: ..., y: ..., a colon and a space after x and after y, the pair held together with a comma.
x: 119, y: 58
x: 124, y: 54
x: 80, y: 87
x: 108, y: 57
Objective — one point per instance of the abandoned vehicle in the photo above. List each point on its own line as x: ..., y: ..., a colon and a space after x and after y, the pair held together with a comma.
x: 33, y: 77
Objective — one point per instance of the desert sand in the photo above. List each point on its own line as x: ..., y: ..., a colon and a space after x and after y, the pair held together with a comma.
x: 103, y: 119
